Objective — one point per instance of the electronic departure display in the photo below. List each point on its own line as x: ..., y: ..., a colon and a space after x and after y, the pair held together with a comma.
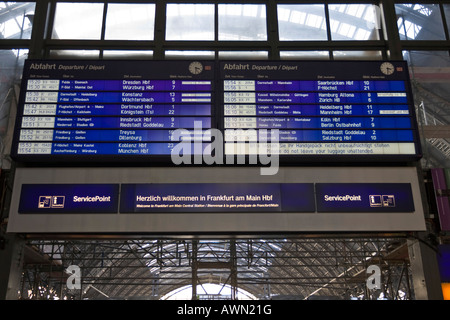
x: 132, y: 110
x: 92, y: 109
x: 330, y: 108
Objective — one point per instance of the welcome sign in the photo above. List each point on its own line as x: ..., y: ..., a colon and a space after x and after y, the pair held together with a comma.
x: 216, y: 197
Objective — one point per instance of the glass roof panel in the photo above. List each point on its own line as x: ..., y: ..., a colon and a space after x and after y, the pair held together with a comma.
x: 242, y: 22
x: 255, y: 55
x: 187, y: 21
x: 130, y: 21
x: 358, y: 55
x: 181, y: 54
x: 75, y: 54
x: 78, y: 21
x: 298, y: 22
x: 127, y: 54
x: 310, y: 55
x: 419, y: 22
x: 16, y: 20
x: 354, y: 22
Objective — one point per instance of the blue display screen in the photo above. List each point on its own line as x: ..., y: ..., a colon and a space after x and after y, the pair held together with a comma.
x: 118, y: 97
x: 323, y: 85
x: 217, y: 197
x: 443, y: 257
x: 112, y: 108
x: 338, y: 135
x: 123, y: 135
x: 69, y: 198
x: 131, y: 110
x: 117, y: 122
x: 119, y: 148
x: 364, y: 197
x: 325, y: 110
x: 130, y: 85
x: 312, y: 97
x: 360, y: 107
x: 318, y: 107
x: 329, y: 122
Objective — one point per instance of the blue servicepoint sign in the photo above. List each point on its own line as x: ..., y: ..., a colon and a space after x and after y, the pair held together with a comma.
x: 69, y: 198
x: 364, y: 197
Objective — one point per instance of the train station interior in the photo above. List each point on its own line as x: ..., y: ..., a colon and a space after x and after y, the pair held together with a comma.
x: 305, y: 264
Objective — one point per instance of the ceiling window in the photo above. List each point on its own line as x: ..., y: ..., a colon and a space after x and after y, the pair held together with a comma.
x: 354, y: 21
x: 74, y: 54
x: 16, y: 19
x: 242, y: 22
x: 307, y: 55
x: 419, y: 22
x: 246, y: 55
x: 78, y: 20
x: 127, y: 54
x: 188, y: 54
x: 357, y: 55
x: 301, y: 22
x: 187, y: 21
x: 130, y: 21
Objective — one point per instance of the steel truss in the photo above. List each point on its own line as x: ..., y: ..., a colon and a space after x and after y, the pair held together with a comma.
x: 293, y: 268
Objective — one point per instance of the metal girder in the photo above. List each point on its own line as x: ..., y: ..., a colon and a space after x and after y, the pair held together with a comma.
x: 300, y: 267
x: 14, y: 9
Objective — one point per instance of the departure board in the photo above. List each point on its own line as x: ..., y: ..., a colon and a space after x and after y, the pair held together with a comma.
x: 338, y: 109
x: 112, y: 109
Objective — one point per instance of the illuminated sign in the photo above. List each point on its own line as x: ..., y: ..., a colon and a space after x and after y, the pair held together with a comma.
x: 186, y: 200
x: 128, y: 110
x: 364, y: 197
x: 321, y: 108
x: 218, y: 197
x: 69, y: 198
x: 443, y: 257
x: 104, y: 109
x: 440, y: 183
